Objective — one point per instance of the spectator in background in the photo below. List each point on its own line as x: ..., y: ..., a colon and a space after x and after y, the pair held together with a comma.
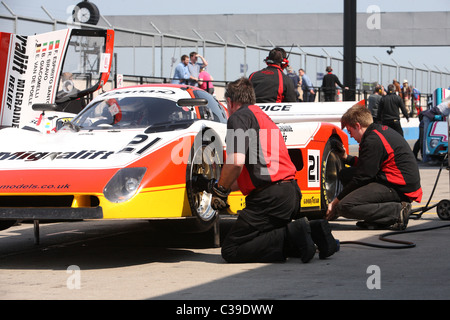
x: 308, y: 90
x: 374, y: 101
x: 406, y: 96
x: 205, y: 81
x: 295, y: 80
x: 181, y: 74
x: 398, y: 89
x: 194, y: 67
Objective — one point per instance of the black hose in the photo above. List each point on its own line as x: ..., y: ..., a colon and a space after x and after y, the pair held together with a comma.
x: 403, y: 244
x: 413, y: 215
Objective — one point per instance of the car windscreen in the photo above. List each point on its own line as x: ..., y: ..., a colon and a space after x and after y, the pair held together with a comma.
x: 131, y: 112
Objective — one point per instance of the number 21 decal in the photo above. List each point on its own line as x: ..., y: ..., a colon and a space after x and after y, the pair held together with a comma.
x: 313, y: 168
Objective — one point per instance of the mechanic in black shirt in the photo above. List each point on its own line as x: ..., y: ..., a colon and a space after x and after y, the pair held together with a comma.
x: 388, y: 110
x: 271, y: 84
x: 383, y: 179
x: 329, y: 83
x: 258, y: 164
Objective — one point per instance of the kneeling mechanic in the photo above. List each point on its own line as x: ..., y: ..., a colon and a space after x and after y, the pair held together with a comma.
x: 382, y: 181
x: 258, y: 164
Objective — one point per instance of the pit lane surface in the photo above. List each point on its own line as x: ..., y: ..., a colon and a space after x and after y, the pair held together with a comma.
x: 138, y: 260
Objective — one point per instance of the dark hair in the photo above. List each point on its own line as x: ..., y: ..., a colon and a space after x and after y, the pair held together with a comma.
x: 184, y: 56
x: 241, y: 91
x: 391, y: 88
x: 276, y: 55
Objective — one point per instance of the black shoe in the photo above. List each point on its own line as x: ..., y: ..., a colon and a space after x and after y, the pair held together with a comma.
x: 322, y: 237
x: 299, y: 236
x: 403, y: 219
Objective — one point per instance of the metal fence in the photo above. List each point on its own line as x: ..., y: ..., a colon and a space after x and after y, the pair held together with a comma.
x: 153, y: 56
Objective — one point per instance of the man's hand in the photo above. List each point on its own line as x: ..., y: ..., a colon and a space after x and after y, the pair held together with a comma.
x: 331, y: 212
x: 338, y: 148
x: 219, y: 197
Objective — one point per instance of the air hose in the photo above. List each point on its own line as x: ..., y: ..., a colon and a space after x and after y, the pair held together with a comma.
x: 416, y: 216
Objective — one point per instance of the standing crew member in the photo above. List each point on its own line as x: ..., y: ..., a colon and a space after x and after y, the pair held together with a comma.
x: 388, y: 110
x: 259, y: 165
x: 271, y: 84
x: 383, y: 180
x: 329, y: 82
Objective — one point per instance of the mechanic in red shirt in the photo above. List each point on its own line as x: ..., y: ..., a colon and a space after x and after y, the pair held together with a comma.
x: 271, y: 84
x: 383, y: 180
x: 259, y: 165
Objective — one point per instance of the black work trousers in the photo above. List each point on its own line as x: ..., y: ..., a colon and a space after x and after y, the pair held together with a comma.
x: 372, y: 203
x: 259, y: 233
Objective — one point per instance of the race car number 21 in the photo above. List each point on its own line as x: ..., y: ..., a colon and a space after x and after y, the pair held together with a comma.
x: 313, y: 168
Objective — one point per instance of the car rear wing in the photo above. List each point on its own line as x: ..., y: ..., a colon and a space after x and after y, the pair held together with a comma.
x: 57, y: 67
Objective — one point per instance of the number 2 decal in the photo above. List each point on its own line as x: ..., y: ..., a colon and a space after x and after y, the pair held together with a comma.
x: 313, y: 168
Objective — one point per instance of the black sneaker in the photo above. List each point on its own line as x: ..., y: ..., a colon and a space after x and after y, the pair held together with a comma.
x: 299, y: 236
x: 403, y: 219
x: 322, y: 237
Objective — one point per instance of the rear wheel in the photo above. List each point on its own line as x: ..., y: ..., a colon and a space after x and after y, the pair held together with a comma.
x: 204, y: 164
x: 331, y: 166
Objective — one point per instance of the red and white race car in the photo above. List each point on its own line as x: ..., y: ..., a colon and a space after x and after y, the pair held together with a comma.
x: 140, y: 152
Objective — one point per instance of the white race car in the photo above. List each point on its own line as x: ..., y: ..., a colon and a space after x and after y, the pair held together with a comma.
x: 143, y: 152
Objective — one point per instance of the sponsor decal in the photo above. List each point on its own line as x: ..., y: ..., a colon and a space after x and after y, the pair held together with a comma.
x: 38, y: 155
x: 276, y: 107
x: 32, y: 75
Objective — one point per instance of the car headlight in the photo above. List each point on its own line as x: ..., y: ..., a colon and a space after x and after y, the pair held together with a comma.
x: 124, y: 184
x: 434, y: 143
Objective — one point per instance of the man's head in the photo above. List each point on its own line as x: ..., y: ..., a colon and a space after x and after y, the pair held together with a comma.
x: 193, y: 56
x: 185, y: 59
x: 277, y: 56
x: 301, y: 72
x: 391, y: 89
x: 239, y: 92
x: 356, y: 120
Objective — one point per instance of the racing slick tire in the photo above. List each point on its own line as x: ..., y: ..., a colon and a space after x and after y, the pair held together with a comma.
x: 330, y: 185
x: 204, y: 163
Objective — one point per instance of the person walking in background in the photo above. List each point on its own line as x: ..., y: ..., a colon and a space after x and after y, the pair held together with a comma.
x: 388, y: 110
x: 329, y: 83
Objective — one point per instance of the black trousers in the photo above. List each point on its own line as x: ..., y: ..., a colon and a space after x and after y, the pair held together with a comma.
x: 373, y: 203
x: 394, y: 124
x: 259, y: 233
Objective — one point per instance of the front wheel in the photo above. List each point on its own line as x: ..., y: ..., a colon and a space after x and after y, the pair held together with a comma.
x: 204, y: 164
